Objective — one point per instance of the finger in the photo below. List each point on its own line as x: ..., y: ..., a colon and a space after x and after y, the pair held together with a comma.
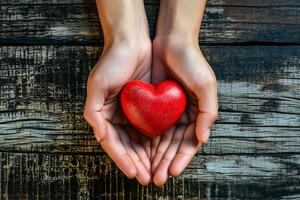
x: 116, y: 151
x: 208, y: 109
x: 143, y: 176
x: 136, y: 143
x: 162, y: 148
x: 188, y: 148
x: 139, y: 150
x: 203, y: 125
x: 154, y: 144
x: 98, y: 123
x: 147, y: 145
x: 162, y: 173
x: 92, y: 110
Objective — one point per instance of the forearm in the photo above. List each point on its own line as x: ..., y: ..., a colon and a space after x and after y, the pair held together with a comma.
x: 122, y: 20
x: 180, y: 18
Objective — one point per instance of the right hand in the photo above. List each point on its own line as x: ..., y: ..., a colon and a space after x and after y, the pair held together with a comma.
x: 176, y: 58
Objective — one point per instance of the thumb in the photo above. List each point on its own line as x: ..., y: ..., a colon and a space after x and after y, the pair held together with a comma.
x: 203, y: 125
x: 93, y: 111
x: 98, y: 123
x: 208, y: 109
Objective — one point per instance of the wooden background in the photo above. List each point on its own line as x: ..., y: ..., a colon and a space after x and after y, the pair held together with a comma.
x: 47, y: 151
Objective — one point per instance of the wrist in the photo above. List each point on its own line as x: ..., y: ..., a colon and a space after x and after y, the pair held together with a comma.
x: 167, y: 48
x: 178, y: 39
x: 180, y: 19
x: 174, y: 41
x: 176, y: 29
x: 122, y: 21
x: 131, y: 42
x: 132, y: 37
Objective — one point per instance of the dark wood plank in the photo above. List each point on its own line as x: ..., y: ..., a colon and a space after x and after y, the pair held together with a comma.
x: 79, y: 23
x: 209, y: 2
x: 57, y: 176
x: 42, y: 93
x: 256, y: 3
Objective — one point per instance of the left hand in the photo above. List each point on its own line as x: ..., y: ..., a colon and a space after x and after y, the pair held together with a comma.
x: 176, y: 59
x: 120, y: 63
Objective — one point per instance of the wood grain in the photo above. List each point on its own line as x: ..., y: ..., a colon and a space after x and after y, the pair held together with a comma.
x: 43, y: 93
x: 56, y: 176
x: 47, y: 150
x: 209, y: 2
x: 56, y: 23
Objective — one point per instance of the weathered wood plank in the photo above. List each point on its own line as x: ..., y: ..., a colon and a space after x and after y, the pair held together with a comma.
x: 42, y: 93
x: 251, y: 2
x: 79, y: 24
x: 254, y: 152
x: 209, y: 2
x: 56, y: 176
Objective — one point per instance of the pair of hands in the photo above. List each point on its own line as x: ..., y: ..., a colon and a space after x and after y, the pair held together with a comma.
x: 136, y: 155
x: 129, y: 54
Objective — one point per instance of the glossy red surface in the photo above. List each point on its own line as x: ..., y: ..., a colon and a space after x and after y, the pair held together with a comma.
x: 153, y: 109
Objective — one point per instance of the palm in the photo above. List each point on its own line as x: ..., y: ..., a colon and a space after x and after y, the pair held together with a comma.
x: 112, y: 108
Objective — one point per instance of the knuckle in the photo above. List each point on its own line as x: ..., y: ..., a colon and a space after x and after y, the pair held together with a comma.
x: 214, y: 115
x: 96, y: 79
x: 208, y: 81
x: 86, y: 114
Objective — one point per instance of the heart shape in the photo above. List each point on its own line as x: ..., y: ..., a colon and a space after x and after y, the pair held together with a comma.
x: 153, y: 109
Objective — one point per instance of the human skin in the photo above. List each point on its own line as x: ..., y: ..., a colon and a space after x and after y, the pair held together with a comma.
x: 176, y: 55
x: 126, y: 56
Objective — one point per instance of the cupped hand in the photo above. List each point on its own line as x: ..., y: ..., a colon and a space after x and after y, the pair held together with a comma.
x: 184, y: 62
x: 119, y: 63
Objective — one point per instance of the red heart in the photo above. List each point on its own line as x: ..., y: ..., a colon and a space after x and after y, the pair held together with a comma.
x: 153, y: 109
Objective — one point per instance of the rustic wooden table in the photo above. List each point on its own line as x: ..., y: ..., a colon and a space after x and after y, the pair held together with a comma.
x: 47, y: 151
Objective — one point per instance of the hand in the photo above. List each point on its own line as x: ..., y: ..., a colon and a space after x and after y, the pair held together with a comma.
x: 126, y: 56
x: 176, y: 55
x: 183, y: 61
x: 118, y: 65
